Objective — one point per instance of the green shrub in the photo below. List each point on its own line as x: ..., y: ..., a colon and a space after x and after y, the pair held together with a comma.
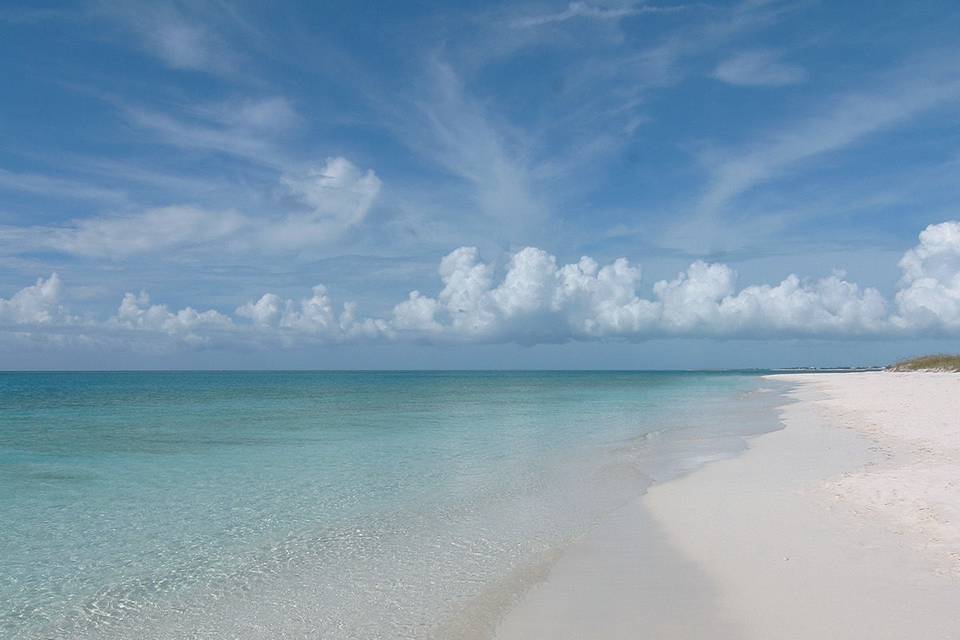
x: 941, y: 362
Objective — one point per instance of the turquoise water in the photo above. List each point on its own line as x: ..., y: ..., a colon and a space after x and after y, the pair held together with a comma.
x: 315, y: 504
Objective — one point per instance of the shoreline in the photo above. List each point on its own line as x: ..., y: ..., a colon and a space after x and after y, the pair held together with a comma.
x: 623, y: 571
x: 625, y: 575
x: 836, y: 525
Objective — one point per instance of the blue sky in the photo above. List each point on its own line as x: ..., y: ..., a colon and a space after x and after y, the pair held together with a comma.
x: 585, y: 184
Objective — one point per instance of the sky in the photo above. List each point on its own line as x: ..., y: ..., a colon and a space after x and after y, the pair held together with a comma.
x: 361, y: 185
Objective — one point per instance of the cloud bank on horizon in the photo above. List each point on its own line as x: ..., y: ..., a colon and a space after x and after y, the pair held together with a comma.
x: 539, y: 301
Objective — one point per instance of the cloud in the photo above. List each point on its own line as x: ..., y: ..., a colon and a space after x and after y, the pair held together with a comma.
x: 180, y: 41
x: 538, y: 300
x: 327, y: 201
x: 417, y: 313
x: 336, y: 196
x: 454, y: 130
x: 226, y: 135
x: 50, y: 186
x: 122, y: 236
x: 605, y: 90
x: 247, y: 128
x: 186, y: 325
x: 185, y: 46
x: 39, y: 304
x: 591, y: 11
x: 930, y: 288
x: 761, y: 68
x: 312, y: 317
x: 151, y: 231
x: 265, y: 312
x: 274, y: 113
x: 844, y: 120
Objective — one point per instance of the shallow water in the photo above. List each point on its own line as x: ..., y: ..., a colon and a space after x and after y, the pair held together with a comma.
x: 335, y: 505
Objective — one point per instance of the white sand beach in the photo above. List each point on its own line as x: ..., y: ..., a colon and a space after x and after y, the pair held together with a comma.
x: 844, y: 524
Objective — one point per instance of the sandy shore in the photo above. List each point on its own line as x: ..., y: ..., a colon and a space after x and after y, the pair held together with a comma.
x: 844, y: 524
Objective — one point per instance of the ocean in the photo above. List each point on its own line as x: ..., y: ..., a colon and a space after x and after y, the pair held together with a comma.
x: 326, y: 504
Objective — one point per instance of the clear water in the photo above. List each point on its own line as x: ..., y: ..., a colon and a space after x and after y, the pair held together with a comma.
x: 333, y: 505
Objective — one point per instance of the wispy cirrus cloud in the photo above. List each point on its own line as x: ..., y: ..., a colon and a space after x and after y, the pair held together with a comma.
x: 607, y: 96
x: 266, y: 115
x: 758, y: 68
x: 122, y: 236
x: 592, y: 11
x: 841, y: 121
x: 323, y: 203
x: 450, y: 128
x: 59, y: 187
x: 176, y: 38
x: 244, y: 128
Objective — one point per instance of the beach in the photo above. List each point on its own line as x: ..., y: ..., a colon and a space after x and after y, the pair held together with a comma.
x: 471, y: 505
x: 842, y: 524
x: 543, y: 320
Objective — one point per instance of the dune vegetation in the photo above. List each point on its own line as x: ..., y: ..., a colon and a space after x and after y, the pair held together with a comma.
x: 939, y: 362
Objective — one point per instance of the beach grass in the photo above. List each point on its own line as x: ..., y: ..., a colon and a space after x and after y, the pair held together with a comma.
x: 938, y: 362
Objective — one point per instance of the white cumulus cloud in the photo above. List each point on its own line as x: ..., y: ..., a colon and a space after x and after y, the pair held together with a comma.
x: 417, y: 313
x: 187, y: 325
x: 536, y: 300
x: 929, y: 296
x: 314, y: 317
x: 38, y: 304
